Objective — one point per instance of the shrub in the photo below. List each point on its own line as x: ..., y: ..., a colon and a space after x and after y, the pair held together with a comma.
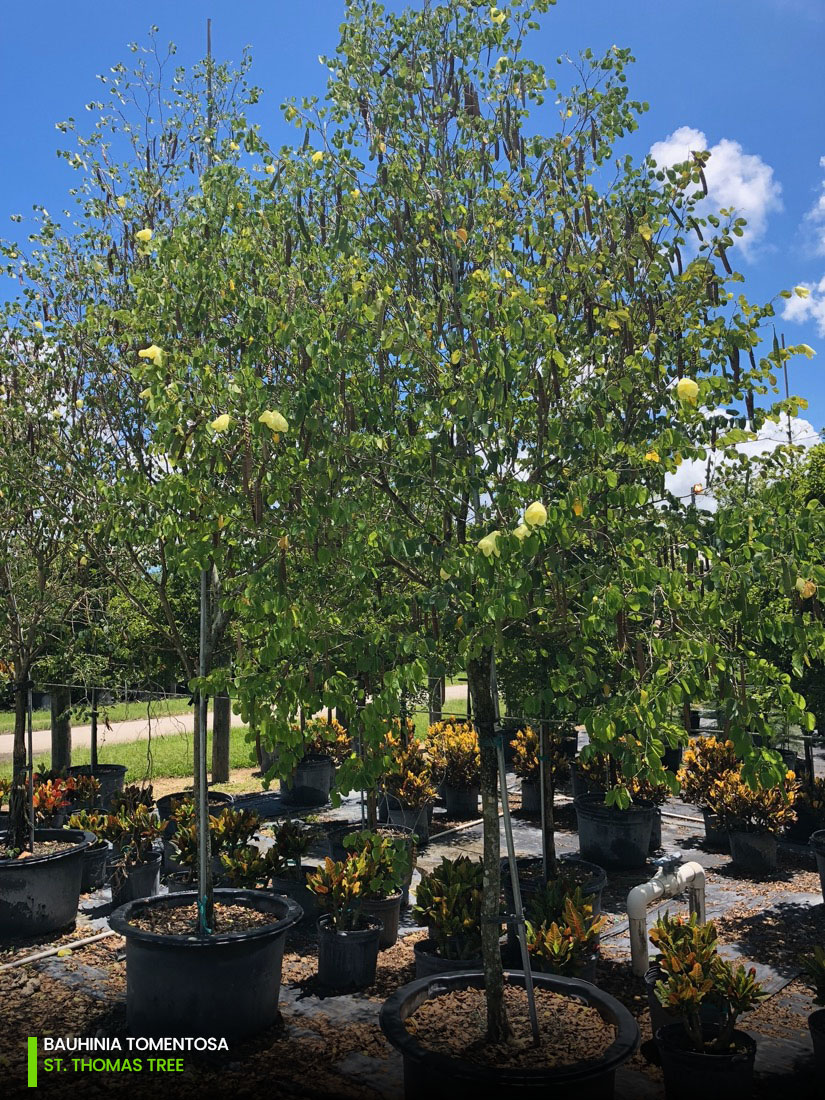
x: 704, y: 761
x: 133, y: 835
x: 526, y: 763
x: 695, y: 972
x: 448, y: 904
x: 230, y: 831
x: 340, y: 891
x: 327, y: 738
x: 813, y: 968
x: 133, y: 796
x: 409, y: 778
x: 564, y: 945
x: 761, y: 810
x: 383, y: 863
x: 453, y: 747
x: 810, y: 800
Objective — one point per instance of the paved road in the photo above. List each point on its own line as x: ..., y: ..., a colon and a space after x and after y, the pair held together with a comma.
x: 138, y: 729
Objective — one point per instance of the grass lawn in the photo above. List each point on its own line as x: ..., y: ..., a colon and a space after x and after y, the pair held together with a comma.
x: 118, y: 712
x: 171, y: 756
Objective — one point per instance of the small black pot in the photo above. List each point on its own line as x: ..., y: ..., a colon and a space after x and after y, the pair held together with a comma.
x: 428, y: 962
x: 755, y: 852
x: 221, y: 985
x: 217, y: 800
x: 95, y: 859
x: 611, y: 837
x: 292, y: 883
x: 140, y: 881
x: 416, y: 820
x: 716, y: 835
x: 432, y: 1076
x: 689, y: 1074
x: 461, y: 802
x: 40, y: 895
x: 111, y: 778
x: 388, y: 911
x: 817, y: 842
x: 348, y: 960
x: 816, y: 1025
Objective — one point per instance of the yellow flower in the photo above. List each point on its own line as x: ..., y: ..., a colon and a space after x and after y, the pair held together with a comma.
x: 233, y: 145
x: 455, y: 358
x: 462, y: 235
x: 145, y: 394
x: 153, y: 352
x: 488, y: 545
x: 317, y: 156
x: 535, y: 515
x: 687, y: 391
x: 521, y: 532
x: 38, y: 324
x: 382, y: 146
x: 270, y: 169
x: 355, y: 193
x: 274, y: 421
x: 805, y: 588
x: 497, y: 16
x: 802, y: 291
x: 144, y: 235
x: 221, y: 423
x: 578, y: 507
x: 121, y: 201
x: 652, y: 456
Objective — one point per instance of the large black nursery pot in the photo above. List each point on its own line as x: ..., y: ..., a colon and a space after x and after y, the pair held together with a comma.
x: 40, y: 895
x: 716, y: 835
x: 311, y: 782
x: 226, y: 984
x: 689, y: 1074
x: 416, y: 819
x: 461, y: 802
x: 348, y: 960
x: 817, y: 842
x: 530, y: 797
x: 433, y: 1076
x: 111, y: 778
x: 755, y: 852
x: 292, y: 883
x: 217, y: 800
x: 611, y: 837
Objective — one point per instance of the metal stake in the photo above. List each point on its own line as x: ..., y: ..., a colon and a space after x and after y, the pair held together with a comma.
x: 31, y: 764
x: 511, y: 859
x: 205, y: 894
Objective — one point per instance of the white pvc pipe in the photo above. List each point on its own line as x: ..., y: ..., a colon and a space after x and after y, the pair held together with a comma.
x: 71, y: 946
x: 664, y: 884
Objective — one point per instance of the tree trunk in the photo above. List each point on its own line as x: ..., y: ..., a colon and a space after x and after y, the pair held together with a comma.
x: 61, y: 702
x: 436, y: 690
x: 480, y: 686
x: 18, y: 836
x: 548, y: 824
x: 221, y: 724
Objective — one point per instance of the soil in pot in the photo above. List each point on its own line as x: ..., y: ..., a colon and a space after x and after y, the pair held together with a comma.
x: 571, y: 1032
x: 689, y: 1074
x: 388, y: 911
x: 183, y: 919
x: 753, y: 852
x: 348, y: 960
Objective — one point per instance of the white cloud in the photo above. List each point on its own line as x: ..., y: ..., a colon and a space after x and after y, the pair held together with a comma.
x: 811, y: 308
x: 815, y: 218
x: 735, y: 179
x: 769, y: 437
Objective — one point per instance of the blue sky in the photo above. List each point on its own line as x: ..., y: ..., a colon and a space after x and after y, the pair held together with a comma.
x: 744, y: 78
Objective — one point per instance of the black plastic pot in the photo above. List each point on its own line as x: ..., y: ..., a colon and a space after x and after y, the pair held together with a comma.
x: 416, y: 820
x: 111, y: 778
x: 432, y: 1076
x: 311, y: 782
x: 530, y: 797
x: 139, y: 881
x: 221, y: 985
x: 95, y: 859
x: 611, y: 837
x: 461, y: 802
x: 754, y: 852
x: 802, y: 828
x: 388, y: 912
x: 816, y: 1026
x: 293, y: 884
x: 672, y: 758
x: 655, y: 831
x: 716, y: 835
x: 817, y: 842
x: 689, y: 1074
x: 348, y: 960
x: 40, y: 895
x: 216, y: 799
x: 428, y: 962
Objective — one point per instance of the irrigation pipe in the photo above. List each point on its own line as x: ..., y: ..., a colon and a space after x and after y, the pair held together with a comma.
x: 56, y: 950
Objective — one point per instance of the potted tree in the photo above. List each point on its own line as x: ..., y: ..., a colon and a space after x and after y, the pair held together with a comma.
x: 713, y: 1059
x: 526, y: 766
x: 448, y: 904
x: 348, y: 939
x: 456, y: 759
x: 753, y: 817
x: 705, y: 760
x: 813, y: 966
